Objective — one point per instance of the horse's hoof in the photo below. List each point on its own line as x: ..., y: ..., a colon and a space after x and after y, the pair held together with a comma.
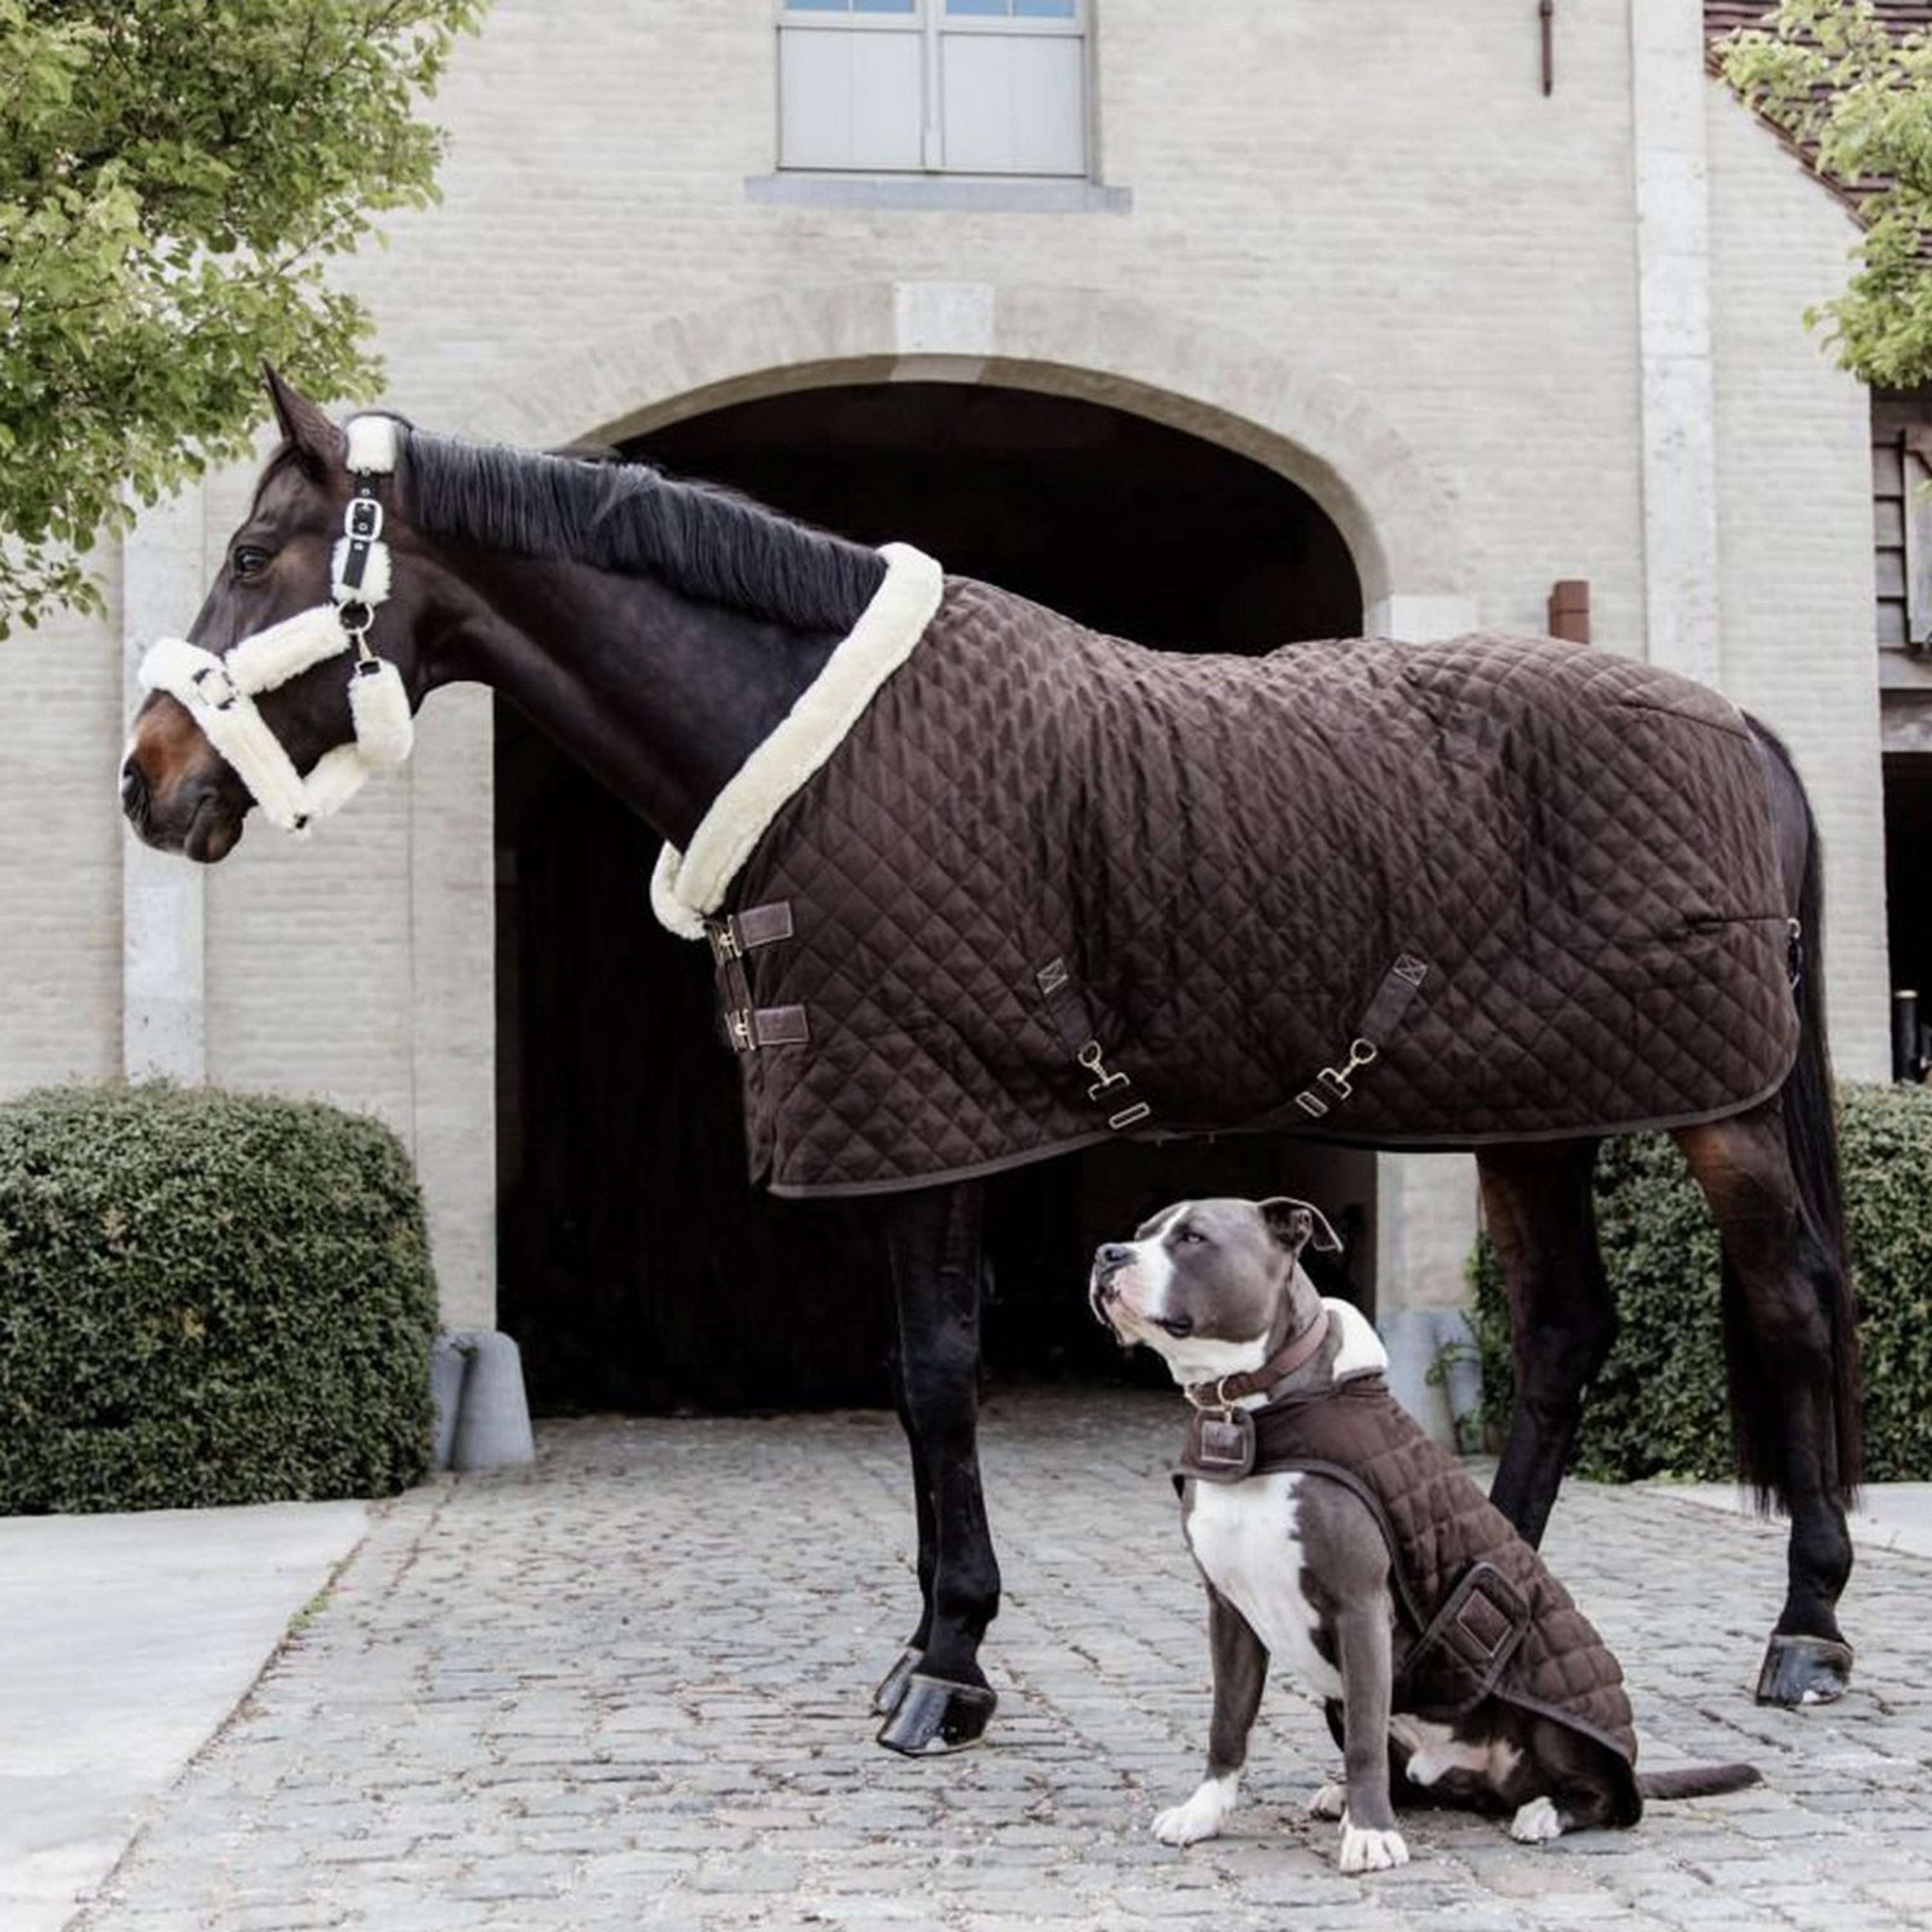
x: 886, y: 1698
x: 1804, y: 1670
x: 935, y: 1716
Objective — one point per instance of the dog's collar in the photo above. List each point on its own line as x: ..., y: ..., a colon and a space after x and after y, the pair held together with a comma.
x: 1297, y: 1352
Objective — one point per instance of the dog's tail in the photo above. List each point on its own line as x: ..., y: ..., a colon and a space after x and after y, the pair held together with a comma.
x: 1698, y: 1780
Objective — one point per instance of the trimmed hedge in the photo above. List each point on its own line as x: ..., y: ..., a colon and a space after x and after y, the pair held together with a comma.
x: 207, y: 1298
x: 1658, y: 1408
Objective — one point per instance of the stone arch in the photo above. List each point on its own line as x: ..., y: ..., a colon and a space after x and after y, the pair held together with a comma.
x: 1400, y: 518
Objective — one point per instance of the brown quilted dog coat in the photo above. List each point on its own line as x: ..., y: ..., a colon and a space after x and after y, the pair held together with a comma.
x: 1438, y: 1525
x: 1051, y: 887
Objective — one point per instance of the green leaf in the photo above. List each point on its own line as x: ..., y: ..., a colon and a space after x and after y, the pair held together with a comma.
x: 1832, y: 75
x: 173, y: 180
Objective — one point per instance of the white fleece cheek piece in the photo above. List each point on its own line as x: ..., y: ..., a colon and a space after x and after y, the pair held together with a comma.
x: 386, y: 734
x: 375, y: 576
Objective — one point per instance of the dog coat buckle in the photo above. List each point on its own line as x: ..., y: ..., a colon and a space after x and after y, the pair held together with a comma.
x: 1220, y: 1448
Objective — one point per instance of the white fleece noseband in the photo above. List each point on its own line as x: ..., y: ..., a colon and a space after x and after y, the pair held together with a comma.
x: 219, y: 692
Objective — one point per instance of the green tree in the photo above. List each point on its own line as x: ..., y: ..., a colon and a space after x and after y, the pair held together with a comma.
x: 174, y: 176
x: 1856, y: 96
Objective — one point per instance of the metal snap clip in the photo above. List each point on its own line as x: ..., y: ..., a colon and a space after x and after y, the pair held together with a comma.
x: 1091, y: 1058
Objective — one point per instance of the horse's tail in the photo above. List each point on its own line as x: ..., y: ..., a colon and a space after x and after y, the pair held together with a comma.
x: 1811, y: 1139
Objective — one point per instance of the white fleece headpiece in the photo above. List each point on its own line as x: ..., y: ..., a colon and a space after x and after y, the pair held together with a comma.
x: 219, y: 692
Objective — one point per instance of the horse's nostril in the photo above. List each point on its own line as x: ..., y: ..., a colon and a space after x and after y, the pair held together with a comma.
x: 134, y: 787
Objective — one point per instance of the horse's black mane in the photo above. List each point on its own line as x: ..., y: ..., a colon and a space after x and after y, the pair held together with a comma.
x: 704, y: 541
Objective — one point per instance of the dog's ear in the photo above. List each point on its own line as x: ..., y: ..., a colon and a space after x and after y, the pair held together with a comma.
x: 1296, y: 1225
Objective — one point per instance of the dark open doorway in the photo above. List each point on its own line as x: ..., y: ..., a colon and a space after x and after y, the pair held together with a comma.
x: 1908, y: 859
x: 638, y: 1268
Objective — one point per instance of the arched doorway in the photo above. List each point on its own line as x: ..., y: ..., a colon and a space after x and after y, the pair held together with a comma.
x: 638, y: 1268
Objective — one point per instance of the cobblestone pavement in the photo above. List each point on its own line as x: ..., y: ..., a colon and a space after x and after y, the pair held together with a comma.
x: 627, y: 1688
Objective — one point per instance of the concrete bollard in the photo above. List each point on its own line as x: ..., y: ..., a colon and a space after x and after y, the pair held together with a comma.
x: 482, y: 1416
x: 448, y: 1365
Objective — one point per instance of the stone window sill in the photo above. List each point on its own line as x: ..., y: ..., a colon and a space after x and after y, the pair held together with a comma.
x: 963, y: 193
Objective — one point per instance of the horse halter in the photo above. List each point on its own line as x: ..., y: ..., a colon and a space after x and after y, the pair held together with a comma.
x: 219, y: 692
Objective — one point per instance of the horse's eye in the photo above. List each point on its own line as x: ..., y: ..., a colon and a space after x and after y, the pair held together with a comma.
x: 250, y: 560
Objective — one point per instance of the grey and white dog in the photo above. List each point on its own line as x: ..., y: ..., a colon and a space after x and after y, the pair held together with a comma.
x: 1297, y: 1565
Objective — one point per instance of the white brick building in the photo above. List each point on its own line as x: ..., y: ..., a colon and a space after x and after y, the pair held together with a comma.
x: 1493, y: 336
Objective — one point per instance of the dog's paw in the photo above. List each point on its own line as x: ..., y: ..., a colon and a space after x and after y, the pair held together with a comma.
x: 1365, y: 1851
x: 1537, y: 1823
x: 1330, y: 1801
x: 1200, y: 1817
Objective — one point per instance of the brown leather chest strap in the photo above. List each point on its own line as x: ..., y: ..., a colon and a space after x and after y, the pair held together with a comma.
x: 739, y: 933
x: 750, y: 1028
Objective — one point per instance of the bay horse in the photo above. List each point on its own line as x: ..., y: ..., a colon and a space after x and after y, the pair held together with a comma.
x: 659, y: 632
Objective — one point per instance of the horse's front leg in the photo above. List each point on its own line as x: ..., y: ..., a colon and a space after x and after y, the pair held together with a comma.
x: 932, y: 1238
x: 892, y: 1687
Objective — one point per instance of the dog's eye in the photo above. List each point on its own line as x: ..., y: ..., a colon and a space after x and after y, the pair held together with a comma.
x: 1178, y: 1325
x: 249, y: 560
x: 1190, y: 1237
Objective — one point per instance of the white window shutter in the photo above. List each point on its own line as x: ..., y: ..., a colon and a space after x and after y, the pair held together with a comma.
x: 1014, y: 103
x: 850, y: 101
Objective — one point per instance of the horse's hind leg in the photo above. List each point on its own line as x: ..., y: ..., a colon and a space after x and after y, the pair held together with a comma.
x: 943, y: 1701
x: 1536, y: 1201
x: 1787, y: 1321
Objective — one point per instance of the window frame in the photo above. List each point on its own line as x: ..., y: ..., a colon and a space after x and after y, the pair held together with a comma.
x: 931, y: 21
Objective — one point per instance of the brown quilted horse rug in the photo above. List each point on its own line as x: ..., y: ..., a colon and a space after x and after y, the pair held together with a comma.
x: 1001, y: 887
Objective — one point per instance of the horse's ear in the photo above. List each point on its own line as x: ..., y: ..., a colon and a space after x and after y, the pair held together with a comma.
x: 1296, y: 1225
x: 318, y: 444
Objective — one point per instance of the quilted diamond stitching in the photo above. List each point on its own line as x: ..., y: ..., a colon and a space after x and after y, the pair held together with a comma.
x: 1229, y: 853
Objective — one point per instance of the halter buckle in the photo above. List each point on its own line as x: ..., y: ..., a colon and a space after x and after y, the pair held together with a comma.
x: 362, y: 520
x: 227, y: 696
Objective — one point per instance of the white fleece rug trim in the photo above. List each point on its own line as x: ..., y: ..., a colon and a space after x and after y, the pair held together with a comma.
x: 1361, y: 1353
x: 686, y: 885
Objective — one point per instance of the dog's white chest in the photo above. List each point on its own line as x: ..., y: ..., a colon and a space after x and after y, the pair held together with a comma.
x: 1246, y: 1537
